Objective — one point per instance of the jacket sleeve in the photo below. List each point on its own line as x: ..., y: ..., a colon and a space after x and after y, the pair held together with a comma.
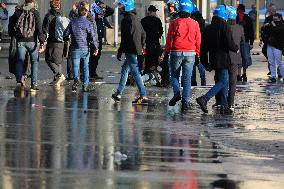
x: 229, y: 39
x: 45, y: 26
x: 198, y: 40
x: 11, y: 25
x: 67, y: 32
x: 109, y: 11
x: 38, y: 25
x: 92, y: 36
x: 243, y: 38
x: 204, y: 51
x: 4, y: 16
x: 143, y: 36
x: 170, y: 38
x: 161, y: 29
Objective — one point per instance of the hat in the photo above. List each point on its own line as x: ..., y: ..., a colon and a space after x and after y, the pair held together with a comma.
x: 186, y: 6
x: 153, y: 8
x: 221, y: 12
x: 232, y: 13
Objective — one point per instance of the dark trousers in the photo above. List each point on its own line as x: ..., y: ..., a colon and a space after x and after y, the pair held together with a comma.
x: 153, y: 52
x: 233, y: 73
x: 165, y: 74
x: 94, y: 60
x: 54, y: 57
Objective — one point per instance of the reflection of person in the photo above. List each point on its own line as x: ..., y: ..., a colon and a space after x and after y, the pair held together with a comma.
x: 3, y: 16
x: 224, y: 184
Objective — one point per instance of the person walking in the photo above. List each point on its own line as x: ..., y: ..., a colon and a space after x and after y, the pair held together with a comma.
x: 53, y: 27
x: 253, y: 16
x: 132, y: 42
x: 27, y: 38
x: 82, y: 37
x: 152, y: 25
x: 236, y: 58
x: 218, y: 41
x: 244, y: 20
x: 197, y: 16
x: 183, y: 44
x: 275, y: 45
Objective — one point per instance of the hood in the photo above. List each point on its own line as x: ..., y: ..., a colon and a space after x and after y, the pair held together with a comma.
x: 54, y: 12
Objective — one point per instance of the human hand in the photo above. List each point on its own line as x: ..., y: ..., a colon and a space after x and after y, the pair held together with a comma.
x: 118, y: 56
x: 95, y: 53
x: 238, y: 51
x: 41, y: 48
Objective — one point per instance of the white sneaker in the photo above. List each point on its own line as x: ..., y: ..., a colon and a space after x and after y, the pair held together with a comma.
x: 59, y: 80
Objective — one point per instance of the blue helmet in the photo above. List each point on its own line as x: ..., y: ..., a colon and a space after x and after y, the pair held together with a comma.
x: 95, y: 9
x: 195, y: 9
x: 127, y: 4
x: 221, y: 12
x: 186, y: 6
x: 232, y: 13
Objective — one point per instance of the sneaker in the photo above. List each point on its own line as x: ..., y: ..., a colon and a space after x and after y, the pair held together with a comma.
x: 116, y: 97
x: 216, y: 106
x: 272, y: 80
x: 174, y: 100
x: 269, y: 73
x: 202, y: 103
x: 141, y: 101
x: 59, y: 79
x: 75, y: 86
x: 34, y: 88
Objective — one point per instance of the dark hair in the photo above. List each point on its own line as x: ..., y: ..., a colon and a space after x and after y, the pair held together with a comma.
x: 183, y: 14
x: 242, y: 7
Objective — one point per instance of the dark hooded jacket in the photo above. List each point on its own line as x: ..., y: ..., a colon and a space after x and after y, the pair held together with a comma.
x: 133, y: 35
x: 48, y: 26
x: 218, y: 41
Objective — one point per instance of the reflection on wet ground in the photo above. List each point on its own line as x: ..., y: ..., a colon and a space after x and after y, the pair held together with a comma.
x: 58, y: 139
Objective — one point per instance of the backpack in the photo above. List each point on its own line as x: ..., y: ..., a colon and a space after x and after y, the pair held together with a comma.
x: 25, y: 26
x: 61, y: 24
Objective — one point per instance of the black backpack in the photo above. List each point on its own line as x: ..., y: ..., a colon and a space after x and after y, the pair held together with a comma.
x: 25, y: 26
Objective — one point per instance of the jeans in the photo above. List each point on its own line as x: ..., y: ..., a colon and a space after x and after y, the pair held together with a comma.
x: 22, y: 49
x: 131, y: 64
x: 275, y: 59
x: 202, y: 74
x: 77, y: 55
x: 184, y: 61
x: 221, y: 87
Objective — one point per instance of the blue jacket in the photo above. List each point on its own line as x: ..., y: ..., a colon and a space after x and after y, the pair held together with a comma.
x: 82, y: 34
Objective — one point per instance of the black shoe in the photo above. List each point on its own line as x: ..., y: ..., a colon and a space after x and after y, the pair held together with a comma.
x: 34, y: 88
x: 272, y: 80
x: 140, y: 101
x: 193, y: 83
x: 239, y: 78
x: 269, y: 73
x: 226, y: 110
x: 203, y: 83
x: 116, y: 98
x: 184, y: 106
x: 202, y: 103
x: 174, y: 100
x: 245, y: 79
x: 75, y: 86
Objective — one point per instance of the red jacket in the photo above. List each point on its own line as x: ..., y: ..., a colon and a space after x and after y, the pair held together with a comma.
x: 183, y: 36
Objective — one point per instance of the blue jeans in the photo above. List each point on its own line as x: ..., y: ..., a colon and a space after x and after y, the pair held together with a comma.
x: 131, y: 64
x: 184, y: 61
x: 202, y: 74
x: 221, y: 85
x: 84, y: 55
x: 22, y: 49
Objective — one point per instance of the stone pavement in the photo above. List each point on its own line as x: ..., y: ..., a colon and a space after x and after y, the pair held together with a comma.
x: 58, y: 139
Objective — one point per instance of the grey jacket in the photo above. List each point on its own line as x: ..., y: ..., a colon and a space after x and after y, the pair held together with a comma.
x: 238, y: 37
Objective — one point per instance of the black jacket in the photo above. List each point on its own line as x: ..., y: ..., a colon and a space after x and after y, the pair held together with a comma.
x: 248, y: 28
x: 38, y: 27
x: 48, y: 26
x: 153, y: 27
x: 101, y: 22
x: 218, y: 41
x: 275, y: 37
x: 133, y: 35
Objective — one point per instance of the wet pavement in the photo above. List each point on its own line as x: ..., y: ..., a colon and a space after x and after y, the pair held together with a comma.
x: 59, y: 139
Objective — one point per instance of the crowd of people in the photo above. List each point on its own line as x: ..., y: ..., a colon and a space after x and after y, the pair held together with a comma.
x: 224, y: 46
